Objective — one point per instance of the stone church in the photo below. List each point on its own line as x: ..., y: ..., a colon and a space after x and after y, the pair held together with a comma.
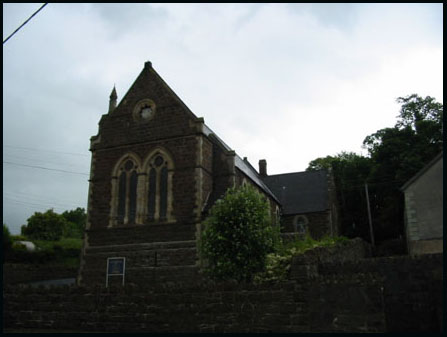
x: 156, y: 169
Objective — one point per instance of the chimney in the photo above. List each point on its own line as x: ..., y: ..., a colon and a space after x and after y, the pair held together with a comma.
x: 263, y: 168
x: 112, y: 101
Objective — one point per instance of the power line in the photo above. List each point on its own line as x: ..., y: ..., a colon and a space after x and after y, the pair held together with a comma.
x: 39, y: 150
x: 35, y: 197
x: 42, y: 200
x: 39, y: 204
x: 23, y: 24
x: 44, y: 168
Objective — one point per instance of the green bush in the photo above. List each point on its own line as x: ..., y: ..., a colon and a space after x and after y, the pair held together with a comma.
x: 19, y: 238
x: 238, y: 235
x: 45, y: 226
x: 278, y: 263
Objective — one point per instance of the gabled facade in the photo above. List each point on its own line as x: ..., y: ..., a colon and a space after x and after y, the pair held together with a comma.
x: 156, y: 170
x: 424, y: 209
x: 308, y: 201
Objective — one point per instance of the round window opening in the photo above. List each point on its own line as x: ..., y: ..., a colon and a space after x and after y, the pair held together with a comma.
x: 129, y: 165
x: 144, y: 110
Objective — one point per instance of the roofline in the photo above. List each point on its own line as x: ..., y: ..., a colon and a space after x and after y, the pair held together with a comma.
x: 421, y: 172
x: 284, y: 174
x: 261, y: 183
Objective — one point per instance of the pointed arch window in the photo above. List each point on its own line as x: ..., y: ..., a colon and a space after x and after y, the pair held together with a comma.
x: 159, y: 195
x: 124, y: 192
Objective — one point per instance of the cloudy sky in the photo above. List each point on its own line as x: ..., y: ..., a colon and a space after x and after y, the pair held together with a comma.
x: 283, y: 82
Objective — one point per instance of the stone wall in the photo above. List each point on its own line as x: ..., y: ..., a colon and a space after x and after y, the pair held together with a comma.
x: 154, y: 253
x: 14, y: 273
x: 424, y: 210
x: 411, y: 292
x: 397, y: 294
x: 205, y: 307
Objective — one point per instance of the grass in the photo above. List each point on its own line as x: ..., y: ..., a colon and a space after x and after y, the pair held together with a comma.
x: 63, y: 252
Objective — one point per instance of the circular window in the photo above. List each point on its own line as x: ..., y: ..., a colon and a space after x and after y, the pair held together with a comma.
x: 144, y: 110
x: 128, y: 165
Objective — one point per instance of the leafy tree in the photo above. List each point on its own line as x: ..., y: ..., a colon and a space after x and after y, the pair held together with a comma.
x: 350, y: 171
x: 238, y: 235
x: 76, y: 220
x: 397, y: 154
x: 45, y: 226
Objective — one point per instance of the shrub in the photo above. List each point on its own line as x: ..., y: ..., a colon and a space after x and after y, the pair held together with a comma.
x: 238, y: 235
x: 278, y: 263
x: 45, y: 226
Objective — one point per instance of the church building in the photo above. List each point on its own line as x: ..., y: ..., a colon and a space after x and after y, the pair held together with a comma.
x: 156, y: 169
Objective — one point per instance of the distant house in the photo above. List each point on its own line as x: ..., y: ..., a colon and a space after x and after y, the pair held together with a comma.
x: 424, y: 209
x: 307, y: 199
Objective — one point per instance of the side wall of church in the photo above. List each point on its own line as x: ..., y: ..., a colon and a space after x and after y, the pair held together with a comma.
x: 273, y: 205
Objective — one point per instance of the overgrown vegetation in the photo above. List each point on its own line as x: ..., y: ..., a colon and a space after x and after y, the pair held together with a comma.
x: 238, y: 235
x: 278, y: 263
x: 57, y: 237
x: 53, y: 226
x: 395, y: 154
x: 62, y: 252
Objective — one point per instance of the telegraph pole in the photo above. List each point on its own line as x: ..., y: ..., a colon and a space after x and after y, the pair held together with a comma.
x: 369, y: 215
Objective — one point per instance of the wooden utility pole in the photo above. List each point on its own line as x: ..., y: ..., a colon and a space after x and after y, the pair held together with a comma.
x: 369, y: 215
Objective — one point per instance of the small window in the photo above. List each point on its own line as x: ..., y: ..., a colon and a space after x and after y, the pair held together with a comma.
x: 278, y: 215
x: 300, y: 223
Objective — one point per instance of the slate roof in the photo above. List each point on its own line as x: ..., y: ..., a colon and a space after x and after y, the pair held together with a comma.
x: 300, y: 192
x: 243, y: 165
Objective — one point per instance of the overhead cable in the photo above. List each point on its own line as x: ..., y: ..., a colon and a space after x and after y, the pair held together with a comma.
x: 23, y: 24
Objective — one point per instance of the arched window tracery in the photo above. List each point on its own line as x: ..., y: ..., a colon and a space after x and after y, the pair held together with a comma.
x: 159, y: 186
x: 142, y: 193
x: 124, y: 191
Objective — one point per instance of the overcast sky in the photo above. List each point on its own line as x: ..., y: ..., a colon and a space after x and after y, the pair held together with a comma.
x: 283, y: 82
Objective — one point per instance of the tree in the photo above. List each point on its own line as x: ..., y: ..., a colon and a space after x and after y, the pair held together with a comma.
x: 238, y: 235
x: 76, y: 220
x: 45, y: 226
x: 350, y: 171
x: 397, y: 154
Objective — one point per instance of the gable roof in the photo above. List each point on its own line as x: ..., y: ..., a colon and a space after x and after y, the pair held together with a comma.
x: 243, y: 165
x: 300, y: 192
x: 421, y: 172
x: 150, y: 83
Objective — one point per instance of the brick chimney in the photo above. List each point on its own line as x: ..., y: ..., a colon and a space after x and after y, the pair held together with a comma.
x: 263, y: 168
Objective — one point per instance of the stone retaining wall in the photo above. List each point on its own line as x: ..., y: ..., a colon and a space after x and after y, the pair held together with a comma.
x: 14, y: 273
x: 398, y: 294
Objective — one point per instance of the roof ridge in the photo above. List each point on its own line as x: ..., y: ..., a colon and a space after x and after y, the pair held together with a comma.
x: 300, y: 172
